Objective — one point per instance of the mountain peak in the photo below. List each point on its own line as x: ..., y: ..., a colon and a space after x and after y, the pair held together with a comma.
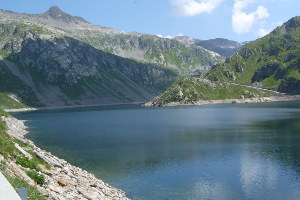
x: 287, y: 27
x: 56, y: 13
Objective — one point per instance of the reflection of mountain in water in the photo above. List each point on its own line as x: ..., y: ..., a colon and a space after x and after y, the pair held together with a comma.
x: 244, y: 151
x: 281, y: 140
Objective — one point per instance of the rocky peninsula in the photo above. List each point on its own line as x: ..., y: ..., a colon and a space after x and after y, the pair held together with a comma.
x: 62, y: 180
x: 223, y: 101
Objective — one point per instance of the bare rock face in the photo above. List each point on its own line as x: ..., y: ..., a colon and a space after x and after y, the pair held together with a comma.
x: 55, y: 13
x: 265, y: 72
x: 290, y: 85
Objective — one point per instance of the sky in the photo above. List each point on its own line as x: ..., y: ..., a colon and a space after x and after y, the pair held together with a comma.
x: 239, y: 20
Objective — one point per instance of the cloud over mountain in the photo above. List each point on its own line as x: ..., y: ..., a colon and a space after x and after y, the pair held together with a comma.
x: 193, y: 7
x: 242, y: 22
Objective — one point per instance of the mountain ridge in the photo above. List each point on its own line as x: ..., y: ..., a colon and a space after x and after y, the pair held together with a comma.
x: 142, y: 47
x: 271, y: 62
x: 46, y: 53
x: 223, y: 47
x: 57, y: 14
x: 44, y: 70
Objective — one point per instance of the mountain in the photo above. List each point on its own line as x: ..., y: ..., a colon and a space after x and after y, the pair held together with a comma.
x: 271, y: 63
x: 55, y: 59
x: 223, y: 47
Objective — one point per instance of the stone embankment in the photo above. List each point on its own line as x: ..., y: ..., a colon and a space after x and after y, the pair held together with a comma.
x: 223, y: 101
x: 62, y: 180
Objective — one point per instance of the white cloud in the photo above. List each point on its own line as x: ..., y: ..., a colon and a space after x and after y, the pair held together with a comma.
x: 194, y: 7
x: 167, y: 36
x: 262, y: 32
x: 242, y: 22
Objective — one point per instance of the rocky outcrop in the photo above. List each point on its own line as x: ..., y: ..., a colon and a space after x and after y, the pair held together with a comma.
x: 224, y: 101
x: 55, y: 13
x: 290, y: 85
x: 62, y: 180
x: 265, y: 72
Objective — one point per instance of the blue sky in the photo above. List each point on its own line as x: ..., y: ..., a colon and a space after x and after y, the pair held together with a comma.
x: 240, y: 20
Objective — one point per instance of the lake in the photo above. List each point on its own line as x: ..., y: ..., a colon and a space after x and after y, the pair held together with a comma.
x: 209, y: 152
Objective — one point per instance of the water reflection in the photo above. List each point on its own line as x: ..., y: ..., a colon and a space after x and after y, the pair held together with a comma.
x: 258, y: 176
x: 279, y: 140
x: 209, y: 152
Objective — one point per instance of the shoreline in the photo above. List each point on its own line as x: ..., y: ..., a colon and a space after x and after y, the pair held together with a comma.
x: 224, y: 101
x: 62, y: 180
x: 65, y: 107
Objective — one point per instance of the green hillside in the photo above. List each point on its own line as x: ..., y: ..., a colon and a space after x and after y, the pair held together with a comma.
x: 271, y: 62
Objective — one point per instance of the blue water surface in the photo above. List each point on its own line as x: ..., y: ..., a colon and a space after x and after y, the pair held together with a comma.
x: 211, y: 152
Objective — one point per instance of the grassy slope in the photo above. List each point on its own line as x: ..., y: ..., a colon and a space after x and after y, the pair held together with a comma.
x: 165, y: 52
x: 11, y: 85
x: 193, y: 89
x: 281, y: 47
x: 8, y: 151
x: 269, y: 62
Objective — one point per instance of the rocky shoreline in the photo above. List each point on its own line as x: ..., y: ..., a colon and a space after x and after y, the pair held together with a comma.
x: 223, y: 101
x: 62, y: 180
x: 66, y: 107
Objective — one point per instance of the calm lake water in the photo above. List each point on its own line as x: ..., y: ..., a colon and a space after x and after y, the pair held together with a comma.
x: 212, y: 152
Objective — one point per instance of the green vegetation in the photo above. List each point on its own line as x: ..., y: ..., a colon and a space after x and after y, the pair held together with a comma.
x: 269, y: 61
x: 4, y: 114
x: 14, y: 93
x: 194, y: 89
x: 167, y: 53
x: 33, y: 193
x: 8, y: 151
x: 8, y: 102
x: 38, y: 178
x: 7, y: 148
x: 272, y: 62
x: 25, y: 162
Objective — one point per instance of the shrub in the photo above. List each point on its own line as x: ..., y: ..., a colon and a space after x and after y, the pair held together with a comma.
x: 38, y: 178
x: 3, y: 113
x: 6, y: 145
x: 25, y: 162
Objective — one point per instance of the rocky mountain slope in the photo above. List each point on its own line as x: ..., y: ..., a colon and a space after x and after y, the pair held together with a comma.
x: 223, y: 47
x: 271, y: 63
x: 55, y: 59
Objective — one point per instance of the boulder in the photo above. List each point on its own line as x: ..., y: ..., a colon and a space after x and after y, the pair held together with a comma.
x: 62, y: 182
